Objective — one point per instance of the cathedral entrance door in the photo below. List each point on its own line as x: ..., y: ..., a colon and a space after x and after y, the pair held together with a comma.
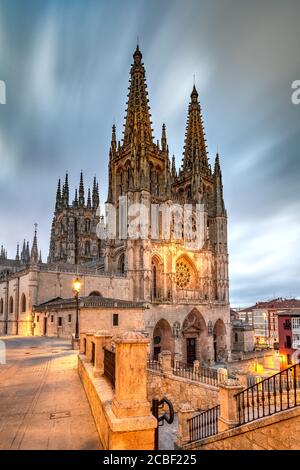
x: 45, y: 326
x: 190, y: 350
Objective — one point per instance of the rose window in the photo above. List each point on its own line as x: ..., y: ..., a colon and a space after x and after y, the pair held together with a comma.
x: 183, y: 275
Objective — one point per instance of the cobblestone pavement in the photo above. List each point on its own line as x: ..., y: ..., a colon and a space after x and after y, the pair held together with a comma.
x: 42, y: 402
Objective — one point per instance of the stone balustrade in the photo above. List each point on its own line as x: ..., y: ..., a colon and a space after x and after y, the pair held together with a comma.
x: 122, y: 413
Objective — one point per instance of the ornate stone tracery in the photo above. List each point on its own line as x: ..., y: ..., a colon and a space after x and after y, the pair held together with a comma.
x: 183, y: 274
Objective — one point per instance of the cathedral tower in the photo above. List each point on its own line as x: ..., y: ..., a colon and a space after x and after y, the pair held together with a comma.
x: 73, y: 237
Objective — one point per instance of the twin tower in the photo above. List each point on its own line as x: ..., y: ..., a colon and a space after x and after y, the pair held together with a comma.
x: 141, y: 168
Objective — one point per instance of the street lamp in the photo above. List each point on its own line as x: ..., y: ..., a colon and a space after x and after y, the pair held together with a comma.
x: 76, y: 290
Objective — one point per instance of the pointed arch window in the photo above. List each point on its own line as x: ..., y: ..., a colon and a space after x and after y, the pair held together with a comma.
x: 11, y: 305
x: 23, y: 303
x: 87, y: 248
x: 87, y: 225
x: 122, y: 264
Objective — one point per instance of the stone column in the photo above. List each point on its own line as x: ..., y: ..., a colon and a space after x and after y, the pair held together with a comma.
x: 210, y: 350
x: 102, y: 339
x: 166, y: 362
x: 228, y: 408
x: 196, y: 367
x: 81, y: 345
x: 185, y: 412
x: 131, y: 376
x: 88, y: 352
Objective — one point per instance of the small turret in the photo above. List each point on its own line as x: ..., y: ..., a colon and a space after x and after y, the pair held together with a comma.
x: 95, y: 194
x: 18, y: 253
x: 218, y: 189
x: 81, y: 191
x: 164, y: 144
x: 89, y: 201
x: 58, y: 196
x: 34, y: 255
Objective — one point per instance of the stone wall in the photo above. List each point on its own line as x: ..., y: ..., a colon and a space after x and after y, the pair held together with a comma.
x: 91, y: 319
x: 181, y: 390
x: 39, y: 286
x: 278, y: 432
x: 122, y: 413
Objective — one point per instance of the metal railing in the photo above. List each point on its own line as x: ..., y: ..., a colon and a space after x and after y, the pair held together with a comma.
x: 153, y: 365
x: 203, y: 374
x: 274, y: 394
x: 205, y: 424
x: 109, y: 365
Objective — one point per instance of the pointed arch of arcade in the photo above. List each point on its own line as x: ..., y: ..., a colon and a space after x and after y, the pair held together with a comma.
x: 220, y: 347
x: 157, y: 277
x: 163, y: 339
x: 194, y: 338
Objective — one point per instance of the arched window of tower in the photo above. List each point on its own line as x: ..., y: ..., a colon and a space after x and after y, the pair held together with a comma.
x: 87, y: 248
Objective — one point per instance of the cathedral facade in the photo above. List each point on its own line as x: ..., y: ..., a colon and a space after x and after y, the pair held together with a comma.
x: 182, y: 289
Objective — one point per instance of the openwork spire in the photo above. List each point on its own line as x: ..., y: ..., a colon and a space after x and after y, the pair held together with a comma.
x: 138, y: 117
x: 81, y: 191
x: 195, y: 144
x: 34, y: 255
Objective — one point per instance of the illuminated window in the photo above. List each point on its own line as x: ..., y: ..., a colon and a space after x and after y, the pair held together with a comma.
x: 183, y: 275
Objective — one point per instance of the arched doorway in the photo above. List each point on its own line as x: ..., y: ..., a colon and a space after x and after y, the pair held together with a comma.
x: 162, y: 338
x: 195, y: 344
x: 220, y: 348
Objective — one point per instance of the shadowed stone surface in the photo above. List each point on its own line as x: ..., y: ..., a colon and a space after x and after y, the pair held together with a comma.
x: 42, y: 402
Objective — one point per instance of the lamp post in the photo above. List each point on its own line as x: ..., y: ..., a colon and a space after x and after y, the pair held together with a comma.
x: 76, y: 290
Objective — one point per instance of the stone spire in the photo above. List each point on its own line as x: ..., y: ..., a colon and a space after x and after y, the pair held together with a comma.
x: 218, y: 189
x: 138, y: 117
x: 81, y: 191
x: 75, y: 202
x: 113, y: 141
x: 195, y: 143
x: 18, y: 253
x: 58, y: 196
x: 65, y: 192
x: 40, y: 257
x: 27, y: 253
x: 89, y: 201
x: 95, y: 196
x: 23, y: 253
x: 164, y: 144
x: 34, y: 255
x: 173, y: 171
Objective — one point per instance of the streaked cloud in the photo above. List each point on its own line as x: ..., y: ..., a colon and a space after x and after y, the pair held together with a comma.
x: 66, y: 66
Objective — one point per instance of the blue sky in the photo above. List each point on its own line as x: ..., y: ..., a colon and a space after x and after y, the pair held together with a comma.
x: 66, y: 66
